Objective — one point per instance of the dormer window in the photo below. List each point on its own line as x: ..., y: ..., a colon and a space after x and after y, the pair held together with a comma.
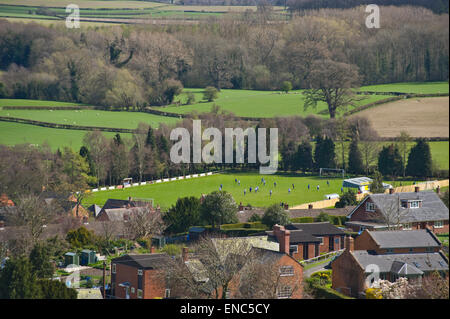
x: 370, y: 207
x: 411, y: 203
x: 414, y: 204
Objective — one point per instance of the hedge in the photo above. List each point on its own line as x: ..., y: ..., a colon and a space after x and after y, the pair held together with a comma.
x: 302, y: 220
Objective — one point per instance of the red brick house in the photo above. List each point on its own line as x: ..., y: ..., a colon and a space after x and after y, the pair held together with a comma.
x: 139, y: 277
x: 308, y: 240
x: 407, y: 211
x: 356, y: 270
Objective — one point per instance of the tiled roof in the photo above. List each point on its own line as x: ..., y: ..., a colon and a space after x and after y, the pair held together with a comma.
x: 144, y: 261
x: 425, y: 262
x: 405, y: 238
x: 432, y: 206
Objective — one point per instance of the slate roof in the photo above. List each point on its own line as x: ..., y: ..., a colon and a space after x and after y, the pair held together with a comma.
x: 309, y: 232
x: 95, y: 209
x: 123, y: 203
x: 317, y: 229
x: 425, y: 262
x: 432, y: 209
x: 405, y: 238
x: 145, y: 261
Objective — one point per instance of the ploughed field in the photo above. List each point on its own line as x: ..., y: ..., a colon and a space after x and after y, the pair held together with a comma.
x: 420, y: 117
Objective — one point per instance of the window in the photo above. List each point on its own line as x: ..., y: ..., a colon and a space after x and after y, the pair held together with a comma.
x: 414, y: 204
x: 370, y: 207
x: 139, y: 293
x: 321, y: 240
x: 407, y: 226
x: 133, y: 290
x: 293, y: 249
x: 113, y: 268
x: 429, y: 249
x: 286, y: 271
x: 389, y: 251
x: 439, y: 224
x: 139, y: 272
x: 284, y: 293
x: 167, y: 293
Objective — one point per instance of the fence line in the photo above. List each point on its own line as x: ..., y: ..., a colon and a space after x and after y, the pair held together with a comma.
x: 153, y: 181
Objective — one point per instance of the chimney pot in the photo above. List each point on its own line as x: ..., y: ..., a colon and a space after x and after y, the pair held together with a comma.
x: 310, y: 206
x: 349, y: 243
x: 152, y: 249
x: 438, y: 189
x: 185, y: 254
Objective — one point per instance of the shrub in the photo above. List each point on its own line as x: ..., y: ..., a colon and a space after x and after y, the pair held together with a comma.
x: 255, y: 218
x: 275, y: 214
x: 286, y: 86
x: 210, y: 94
x: 301, y: 220
x: 347, y: 199
x: 190, y: 98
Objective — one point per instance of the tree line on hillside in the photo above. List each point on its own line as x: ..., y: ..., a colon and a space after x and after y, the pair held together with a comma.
x: 131, y: 67
x: 437, y: 6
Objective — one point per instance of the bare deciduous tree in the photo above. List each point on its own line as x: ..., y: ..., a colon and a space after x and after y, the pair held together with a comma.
x: 143, y: 223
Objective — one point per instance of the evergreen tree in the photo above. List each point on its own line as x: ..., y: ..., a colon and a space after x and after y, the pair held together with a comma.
x: 419, y: 160
x: 184, y: 214
x: 304, y: 156
x: 355, y: 163
x: 18, y: 281
x: 150, y: 141
x: 390, y: 161
x: 324, y: 153
x: 40, y: 261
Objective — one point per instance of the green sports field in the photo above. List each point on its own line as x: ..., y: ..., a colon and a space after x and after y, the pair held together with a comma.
x: 165, y: 194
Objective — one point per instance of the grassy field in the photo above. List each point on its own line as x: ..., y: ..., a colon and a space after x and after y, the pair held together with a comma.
x: 20, y: 102
x: 166, y: 194
x: 129, y: 120
x: 410, y: 87
x: 15, y: 133
x: 255, y: 103
x: 106, y: 12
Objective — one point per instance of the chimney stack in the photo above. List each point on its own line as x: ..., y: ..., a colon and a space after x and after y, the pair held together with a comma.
x: 310, y: 206
x: 241, y: 207
x: 416, y: 189
x: 349, y: 243
x: 438, y: 189
x: 391, y: 190
x: 152, y: 249
x: 185, y: 254
x: 286, y: 206
x: 283, y: 236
